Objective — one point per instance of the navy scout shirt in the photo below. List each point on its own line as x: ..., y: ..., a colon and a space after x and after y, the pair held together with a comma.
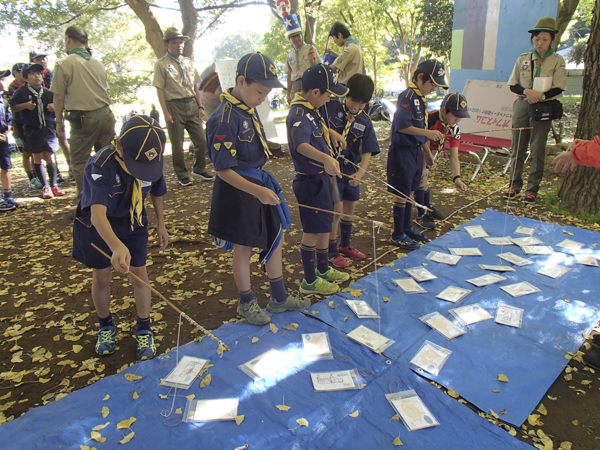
x: 304, y: 127
x: 5, y: 116
x: 30, y: 117
x: 410, y: 112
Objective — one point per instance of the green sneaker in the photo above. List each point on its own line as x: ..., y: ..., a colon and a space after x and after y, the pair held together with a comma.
x: 293, y: 302
x: 333, y: 275
x: 35, y: 183
x: 320, y: 286
x: 107, y: 342
x: 145, y: 348
x: 252, y: 313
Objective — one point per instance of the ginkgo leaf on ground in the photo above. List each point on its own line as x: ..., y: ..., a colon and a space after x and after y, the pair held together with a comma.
x: 239, y: 419
x: 136, y: 395
x: 452, y: 393
x: 190, y: 397
x: 105, y: 411
x: 397, y: 442
x: 283, y: 406
x: 86, y: 447
x: 132, y: 377
x: 106, y: 397
x: 542, y: 410
x: 386, y: 299
x: 100, y: 427
x: 273, y: 328
x: 98, y: 437
x: 178, y: 411
x: 354, y: 414
x: 254, y: 340
x: 503, y: 378
x: 77, y: 348
x: 125, y: 423
x: 127, y: 438
x: 302, y: 422
x: 205, y: 381
x: 291, y: 326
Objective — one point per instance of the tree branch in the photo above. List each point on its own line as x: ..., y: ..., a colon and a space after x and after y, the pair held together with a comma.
x: 77, y: 16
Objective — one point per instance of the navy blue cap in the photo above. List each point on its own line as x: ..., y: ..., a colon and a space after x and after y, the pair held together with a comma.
x: 35, y: 54
x: 456, y: 103
x: 4, y: 73
x: 18, y: 67
x: 322, y: 76
x: 258, y: 67
x: 437, y: 71
x: 31, y: 68
x: 143, y: 142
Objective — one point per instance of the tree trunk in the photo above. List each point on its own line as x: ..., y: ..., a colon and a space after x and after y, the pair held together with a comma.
x: 189, y: 17
x: 580, y: 190
x: 154, y: 33
x: 566, y: 9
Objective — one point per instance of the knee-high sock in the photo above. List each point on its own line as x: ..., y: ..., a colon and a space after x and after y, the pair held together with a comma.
x: 427, y: 198
x: 345, y: 232
x: 333, y: 246
x: 399, y: 211
x: 419, y: 198
x: 278, y: 289
x: 41, y: 173
x: 52, y: 171
x: 407, y: 216
x: 307, y: 255
x: 322, y: 260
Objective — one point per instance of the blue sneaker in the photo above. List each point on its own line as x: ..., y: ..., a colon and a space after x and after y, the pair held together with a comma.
x: 146, y: 348
x: 11, y: 201
x: 405, y: 242
x: 5, y: 206
x: 416, y: 235
x: 107, y: 340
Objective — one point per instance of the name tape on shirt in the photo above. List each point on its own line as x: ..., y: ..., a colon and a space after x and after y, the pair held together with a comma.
x: 359, y: 126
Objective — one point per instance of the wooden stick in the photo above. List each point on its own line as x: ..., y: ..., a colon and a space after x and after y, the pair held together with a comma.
x: 185, y: 316
x: 472, y: 203
x: 375, y: 260
x: 335, y: 213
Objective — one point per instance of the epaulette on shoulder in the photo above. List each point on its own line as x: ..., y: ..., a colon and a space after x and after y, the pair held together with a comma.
x: 299, y: 111
x: 104, y: 155
x: 525, y: 54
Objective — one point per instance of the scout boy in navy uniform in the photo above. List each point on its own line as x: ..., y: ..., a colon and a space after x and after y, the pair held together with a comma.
x: 38, y: 124
x: 405, y: 157
x: 246, y: 210
x: 310, y: 142
x: 348, y: 119
x: 452, y: 110
x: 6, y: 202
x: 111, y: 214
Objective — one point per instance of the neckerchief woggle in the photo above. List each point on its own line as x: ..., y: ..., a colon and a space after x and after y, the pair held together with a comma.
x: 181, y: 71
x: 414, y: 87
x: 40, y: 104
x: 137, y: 201
x: 228, y: 97
x: 301, y: 101
x: 81, y: 52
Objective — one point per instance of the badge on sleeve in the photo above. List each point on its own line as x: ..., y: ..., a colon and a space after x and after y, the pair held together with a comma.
x: 217, y: 146
x: 221, y: 137
x: 417, y: 104
x: 340, y: 115
x: 233, y: 151
x: 95, y: 176
x: 228, y: 145
x: 526, y: 65
x: 359, y: 126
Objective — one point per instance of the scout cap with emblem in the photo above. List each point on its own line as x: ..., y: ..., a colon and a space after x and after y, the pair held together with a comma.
x: 143, y: 142
x: 173, y: 33
x: 322, y: 76
x: 36, y: 54
x: 32, y: 68
x: 18, y: 67
x: 456, y: 103
x: 545, y: 24
x: 4, y: 73
x: 437, y: 71
x: 259, y: 68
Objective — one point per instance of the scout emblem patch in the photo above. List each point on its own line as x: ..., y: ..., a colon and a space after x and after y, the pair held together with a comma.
x: 341, y: 115
x: 463, y: 104
x: 170, y: 68
x: 233, y: 151
x: 117, y: 178
x: 417, y: 104
x: 217, y: 146
x: 228, y: 145
x: 525, y: 65
x: 151, y: 154
x: 221, y: 137
x: 441, y: 72
x: 245, y: 124
x: 272, y: 69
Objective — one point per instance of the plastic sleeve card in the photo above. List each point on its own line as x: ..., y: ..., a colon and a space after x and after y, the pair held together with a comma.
x: 469, y: 251
x: 553, y: 271
x: 411, y: 410
x: 263, y: 365
x: 184, y: 373
x: 537, y: 249
x: 443, y: 258
x: 209, y: 410
x: 442, y: 325
x: 586, y: 260
x: 431, y: 357
x: 527, y: 241
x: 525, y: 230
x: 316, y: 346
x: 470, y: 314
x: 453, y: 294
x: 342, y: 380
x: 509, y: 315
x: 420, y: 274
x: 362, y: 309
x: 520, y: 289
x: 486, y: 280
x: 497, y: 268
x: 514, y: 259
x: 370, y: 339
x: 499, y: 240
x: 409, y: 286
x: 569, y: 244
x: 476, y: 231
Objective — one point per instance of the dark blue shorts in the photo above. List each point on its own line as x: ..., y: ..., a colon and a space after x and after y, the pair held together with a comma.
x: 38, y: 140
x: 316, y: 191
x: 5, y: 162
x: 404, y: 168
x: 347, y: 192
x: 84, y: 234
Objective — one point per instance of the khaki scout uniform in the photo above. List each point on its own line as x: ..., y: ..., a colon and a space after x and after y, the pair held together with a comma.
x: 183, y: 107
x: 522, y: 75
x: 297, y: 62
x: 84, y: 85
x: 349, y: 62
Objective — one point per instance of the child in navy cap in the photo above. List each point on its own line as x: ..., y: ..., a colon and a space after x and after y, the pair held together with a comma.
x: 405, y: 158
x: 311, y: 144
x: 453, y: 109
x: 6, y: 202
x: 247, y: 210
x: 111, y: 215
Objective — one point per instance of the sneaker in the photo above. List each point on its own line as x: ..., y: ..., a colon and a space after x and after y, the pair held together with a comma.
x: 252, y: 313
x: 415, y: 235
x: 529, y: 198
x: 59, y: 177
x: 351, y: 252
x: 204, y: 176
x: 5, y: 206
x: 436, y: 213
x: 11, y: 201
x: 511, y: 193
x: 338, y: 261
x: 293, y: 302
x: 35, y: 183
x: 319, y: 286
x: 56, y: 191
x: 107, y: 340
x: 333, y: 275
x: 405, y: 242
x: 426, y: 221
x: 47, y: 192
x: 145, y: 348
x: 185, y: 181
x: 592, y: 359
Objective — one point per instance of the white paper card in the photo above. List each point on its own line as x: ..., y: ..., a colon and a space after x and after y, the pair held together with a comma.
x: 207, y: 410
x: 476, y: 231
x: 442, y: 325
x: 514, y: 259
x: 542, y: 84
x: 362, y: 309
x: 497, y: 268
x: 453, y: 294
x: 486, y: 280
x: 499, y: 240
x: 370, y: 339
x: 263, y: 365
x: 184, y: 373
x: 335, y: 381
x: 525, y: 230
x: 530, y: 240
x: 553, y: 271
x: 409, y: 285
x: 587, y: 260
x: 470, y: 314
x: 469, y: 251
x: 537, y: 249
x: 570, y: 244
x: 316, y: 346
x: 420, y: 273
x: 519, y: 289
x: 443, y: 258
x: 509, y: 315
x: 412, y: 410
x: 431, y: 357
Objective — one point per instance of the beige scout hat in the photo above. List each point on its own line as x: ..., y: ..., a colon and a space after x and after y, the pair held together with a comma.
x: 173, y: 33
x: 545, y: 24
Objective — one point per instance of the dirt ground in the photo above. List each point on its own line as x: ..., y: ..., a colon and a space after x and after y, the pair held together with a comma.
x: 49, y: 327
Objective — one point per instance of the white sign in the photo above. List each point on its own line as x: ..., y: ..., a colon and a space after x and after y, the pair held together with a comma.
x: 490, y: 106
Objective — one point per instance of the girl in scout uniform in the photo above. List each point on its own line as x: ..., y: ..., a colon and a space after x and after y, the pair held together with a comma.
x: 540, y: 62
x: 247, y: 210
x: 111, y: 214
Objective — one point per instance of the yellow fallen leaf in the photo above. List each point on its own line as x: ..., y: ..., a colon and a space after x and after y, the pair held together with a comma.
x: 568, y: 377
x: 85, y: 447
x: 220, y: 349
x: 345, y: 318
x: 98, y: 437
x: 494, y: 414
x: 100, y: 427
x: 330, y: 304
x: 291, y: 326
x: 282, y: 407
x: 354, y: 414
x: 106, y: 397
x: 396, y: 417
x: 125, y: 423
x: 575, y: 422
x: 586, y: 382
x: 314, y: 312
x: 77, y: 348
x: 163, y: 396
x: 132, y: 377
x: 552, y: 398
x: 105, y: 411
x: 397, y: 442
x: 452, y: 393
x: 533, y: 420
x: 302, y: 422
x: 495, y: 391
x: 503, y: 378
x: 354, y: 292
x: 178, y: 411
x: 239, y: 419
x: 205, y: 381
x: 512, y: 431
x: 542, y: 410
x: 565, y: 445
x: 136, y: 395
x: 386, y: 299
x: 254, y: 340
x: 190, y: 397
x: 273, y: 328
x: 127, y: 438
x: 503, y: 411
x: 568, y: 232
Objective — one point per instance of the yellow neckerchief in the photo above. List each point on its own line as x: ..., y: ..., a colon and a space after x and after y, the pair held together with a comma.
x: 227, y: 96
x: 137, y: 201
x: 350, y: 118
x: 301, y: 101
x: 414, y: 87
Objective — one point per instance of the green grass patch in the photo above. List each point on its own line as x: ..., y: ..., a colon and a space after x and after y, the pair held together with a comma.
x: 552, y: 202
x: 570, y: 99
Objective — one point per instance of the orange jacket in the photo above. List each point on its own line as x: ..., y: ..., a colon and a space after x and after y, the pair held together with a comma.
x: 587, y: 153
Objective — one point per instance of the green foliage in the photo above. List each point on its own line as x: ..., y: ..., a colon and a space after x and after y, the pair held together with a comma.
x: 552, y: 202
x: 276, y: 45
x: 238, y: 45
x: 436, y: 18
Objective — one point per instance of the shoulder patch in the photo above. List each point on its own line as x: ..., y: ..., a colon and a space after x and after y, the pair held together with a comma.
x: 95, y: 176
x: 297, y: 124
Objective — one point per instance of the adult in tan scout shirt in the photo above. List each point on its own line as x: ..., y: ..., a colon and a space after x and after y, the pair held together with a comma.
x: 541, y: 62
x: 350, y: 60
x: 300, y: 58
x: 79, y: 86
x: 175, y: 80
